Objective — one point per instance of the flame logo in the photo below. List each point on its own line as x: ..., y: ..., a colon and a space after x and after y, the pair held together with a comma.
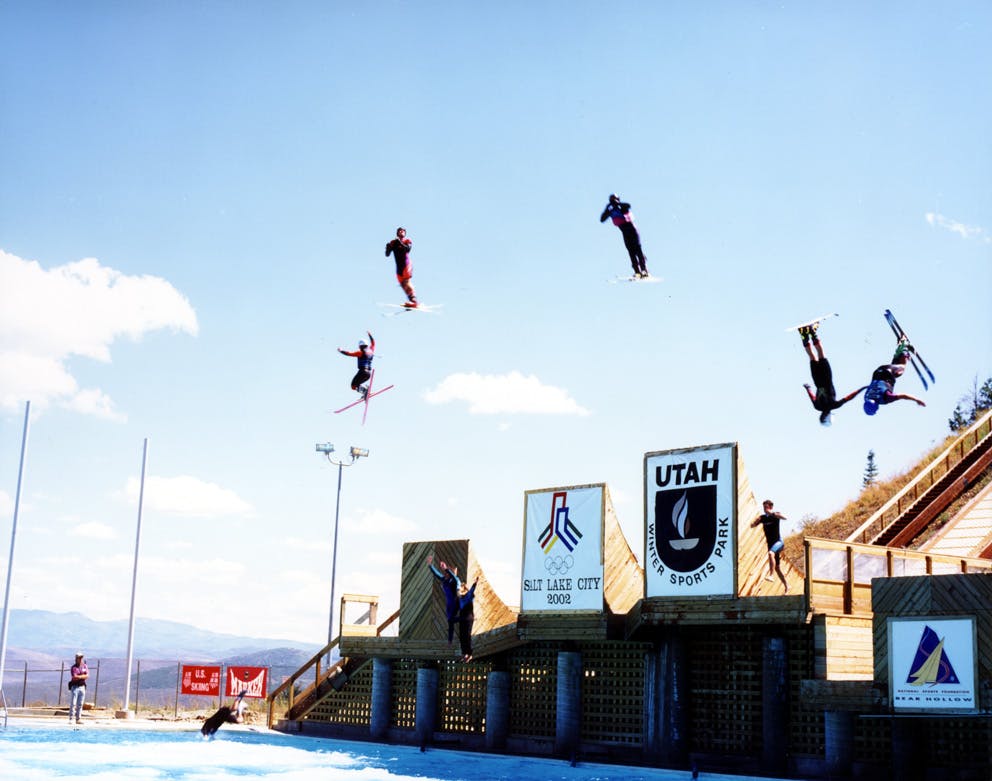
x: 682, y: 524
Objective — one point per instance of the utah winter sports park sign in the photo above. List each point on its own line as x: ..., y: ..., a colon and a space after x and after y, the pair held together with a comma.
x: 690, y: 501
x: 563, y: 549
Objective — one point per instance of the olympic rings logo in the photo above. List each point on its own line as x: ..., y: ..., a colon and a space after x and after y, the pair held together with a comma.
x: 558, y: 565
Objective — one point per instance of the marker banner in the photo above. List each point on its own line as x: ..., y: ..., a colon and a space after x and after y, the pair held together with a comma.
x: 250, y: 680
x: 563, y: 549
x: 690, y: 498
x: 200, y: 679
x: 932, y: 664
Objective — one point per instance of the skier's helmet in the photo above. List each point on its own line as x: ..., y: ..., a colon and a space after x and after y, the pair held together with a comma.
x: 362, y: 343
x: 870, y: 407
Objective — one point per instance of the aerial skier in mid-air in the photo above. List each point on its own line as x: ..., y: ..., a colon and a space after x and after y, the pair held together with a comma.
x: 619, y: 212
x: 883, y: 379
x: 365, y: 353
x: 824, y: 399
x: 400, y: 249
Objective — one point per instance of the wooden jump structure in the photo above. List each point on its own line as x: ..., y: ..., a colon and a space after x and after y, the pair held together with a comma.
x: 757, y: 680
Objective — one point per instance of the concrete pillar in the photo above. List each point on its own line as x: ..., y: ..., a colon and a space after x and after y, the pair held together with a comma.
x: 497, y: 710
x: 569, y: 701
x: 674, y: 739
x: 774, y: 705
x: 427, y: 680
x: 382, y: 697
x: 838, y: 738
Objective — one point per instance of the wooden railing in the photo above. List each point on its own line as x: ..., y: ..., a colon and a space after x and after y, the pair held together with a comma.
x: 838, y: 574
x: 915, y: 488
x: 321, y: 674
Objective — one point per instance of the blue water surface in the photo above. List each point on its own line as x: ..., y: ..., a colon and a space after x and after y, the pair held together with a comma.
x: 112, y: 753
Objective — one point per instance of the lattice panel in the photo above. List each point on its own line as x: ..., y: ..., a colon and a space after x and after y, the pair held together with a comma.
x: 806, y: 731
x: 613, y: 692
x: 533, y: 690
x: 461, y: 699
x: 872, y: 740
x: 352, y: 705
x: 404, y: 696
x: 725, y: 681
x: 960, y: 744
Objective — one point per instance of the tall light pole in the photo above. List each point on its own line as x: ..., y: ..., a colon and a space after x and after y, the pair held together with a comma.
x: 10, y: 562
x: 356, y: 452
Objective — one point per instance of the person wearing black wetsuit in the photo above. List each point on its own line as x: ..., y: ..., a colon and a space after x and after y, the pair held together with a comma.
x: 825, y: 399
x: 450, y: 585
x: 619, y: 212
x: 466, y: 617
x: 400, y: 249
x: 770, y: 520
x: 364, y: 354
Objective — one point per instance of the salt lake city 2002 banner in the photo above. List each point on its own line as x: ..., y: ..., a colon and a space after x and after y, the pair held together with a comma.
x: 563, y: 549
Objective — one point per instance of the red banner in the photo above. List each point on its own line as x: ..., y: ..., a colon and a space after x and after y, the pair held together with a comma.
x: 250, y: 680
x: 201, y: 679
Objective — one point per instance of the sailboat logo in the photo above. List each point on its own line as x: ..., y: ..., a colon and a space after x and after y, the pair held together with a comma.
x: 931, y: 665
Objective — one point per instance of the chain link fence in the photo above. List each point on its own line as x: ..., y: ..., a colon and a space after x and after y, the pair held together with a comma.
x: 155, y: 685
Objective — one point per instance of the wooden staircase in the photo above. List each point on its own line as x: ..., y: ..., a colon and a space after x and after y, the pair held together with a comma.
x: 325, y: 678
x: 907, y: 514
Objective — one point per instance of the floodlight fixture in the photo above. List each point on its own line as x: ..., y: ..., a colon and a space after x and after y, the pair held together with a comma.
x: 325, y: 447
x: 359, y: 452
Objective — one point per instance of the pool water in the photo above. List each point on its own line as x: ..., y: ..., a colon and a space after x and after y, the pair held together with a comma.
x: 95, y: 753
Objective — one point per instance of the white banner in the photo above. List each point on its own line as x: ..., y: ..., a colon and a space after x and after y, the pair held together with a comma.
x: 563, y: 549
x: 932, y: 664
x: 690, y: 529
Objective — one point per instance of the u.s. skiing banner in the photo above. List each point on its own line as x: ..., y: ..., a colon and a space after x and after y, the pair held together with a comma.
x: 690, y: 499
x: 563, y: 549
x: 932, y: 664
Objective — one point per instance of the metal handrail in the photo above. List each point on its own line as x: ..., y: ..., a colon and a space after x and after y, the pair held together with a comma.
x: 892, y: 509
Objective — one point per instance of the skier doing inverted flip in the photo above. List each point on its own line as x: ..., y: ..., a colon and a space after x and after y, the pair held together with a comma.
x: 883, y: 380
x: 824, y: 400
x: 364, y: 354
x: 622, y: 217
x: 400, y: 248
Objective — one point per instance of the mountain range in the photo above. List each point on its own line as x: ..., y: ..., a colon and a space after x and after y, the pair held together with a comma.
x: 41, y: 635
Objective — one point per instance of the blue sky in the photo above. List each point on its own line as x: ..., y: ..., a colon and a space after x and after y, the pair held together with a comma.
x: 193, y: 208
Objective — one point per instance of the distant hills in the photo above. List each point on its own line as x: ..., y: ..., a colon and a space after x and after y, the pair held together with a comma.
x: 41, y: 635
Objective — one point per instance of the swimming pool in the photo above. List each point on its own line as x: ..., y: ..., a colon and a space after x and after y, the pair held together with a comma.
x: 31, y: 752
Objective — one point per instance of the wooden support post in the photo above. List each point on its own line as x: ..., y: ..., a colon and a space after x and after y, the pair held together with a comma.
x: 427, y: 680
x: 569, y: 721
x: 675, y: 722
x: 838, y: 738
x: 382, y: 697
x: 774, y: 706
x: 497, y: 710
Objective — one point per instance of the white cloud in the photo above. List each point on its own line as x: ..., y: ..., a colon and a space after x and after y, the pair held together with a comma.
x: 188, y: 496
x: 960, y: 228
x: 6, y: 505
x: 497, y: 394
x: 47, y: 316
x: 379, y: 522
x: 94, y: 531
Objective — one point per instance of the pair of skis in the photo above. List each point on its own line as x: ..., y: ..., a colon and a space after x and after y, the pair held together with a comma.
x: 914, y: 356
x: 365, y: 399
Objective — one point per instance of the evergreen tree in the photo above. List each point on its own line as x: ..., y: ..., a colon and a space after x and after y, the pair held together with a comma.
x: 871, y: 471
x: 971, y: 405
